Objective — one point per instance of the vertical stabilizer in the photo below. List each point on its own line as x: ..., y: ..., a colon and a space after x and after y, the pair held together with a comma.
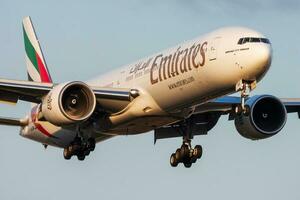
x: 36, y: 65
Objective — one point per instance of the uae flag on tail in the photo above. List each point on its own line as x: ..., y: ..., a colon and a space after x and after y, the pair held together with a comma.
x: 36, y: 66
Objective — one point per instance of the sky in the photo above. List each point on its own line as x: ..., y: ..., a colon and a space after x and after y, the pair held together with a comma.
x: 81, y: 39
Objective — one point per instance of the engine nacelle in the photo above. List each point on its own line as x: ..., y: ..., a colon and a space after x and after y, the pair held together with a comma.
x: 266, y: 117
x: 69, y: 103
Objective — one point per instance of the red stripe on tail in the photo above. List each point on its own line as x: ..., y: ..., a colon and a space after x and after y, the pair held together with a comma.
x: 45, y: 77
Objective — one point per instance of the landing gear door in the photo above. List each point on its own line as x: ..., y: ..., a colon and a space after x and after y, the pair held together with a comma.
x: 213, y: 48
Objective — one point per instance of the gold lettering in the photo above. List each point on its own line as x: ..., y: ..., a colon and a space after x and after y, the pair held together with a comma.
x: 194, y: 55
x: 183, y: 66
x: 174, y: 72
x: 165, y: 63
x: 202, y: 53
x: 170, y: 65
x: 176, y: 63
x: 154, y: 65
x: 189, y: 57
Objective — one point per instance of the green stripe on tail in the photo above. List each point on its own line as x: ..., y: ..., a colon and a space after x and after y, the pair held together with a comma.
x: 36, y: 66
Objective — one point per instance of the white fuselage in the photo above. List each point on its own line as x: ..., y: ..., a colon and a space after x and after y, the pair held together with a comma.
x: 172, y: 82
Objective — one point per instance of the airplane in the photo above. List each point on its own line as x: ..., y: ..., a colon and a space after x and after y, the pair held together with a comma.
x: 179, y: 92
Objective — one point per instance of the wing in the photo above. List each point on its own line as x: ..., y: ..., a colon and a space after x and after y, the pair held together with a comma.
x: 13, y: 121
x: 13, y: 90
x: 291, y: 104
x: 223, y: 104
x: 206, y: 116
x: 226, y: 103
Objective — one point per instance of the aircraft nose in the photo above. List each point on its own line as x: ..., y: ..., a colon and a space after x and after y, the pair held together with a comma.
x: 263, y: 59
x: 264, y: 55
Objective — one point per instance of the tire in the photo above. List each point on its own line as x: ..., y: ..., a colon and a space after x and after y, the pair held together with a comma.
x: 87, y: 152
x: 67, y: 154
x: 173, y: 160
x: 70, y: 148
x: 178, y: 155
x: 81, y: 156
x: 187, y: 164
x: 184, y: 150
x: 91, y: 144
x: 198, y: 151
x: 193, y: 159
x: 74, y: 148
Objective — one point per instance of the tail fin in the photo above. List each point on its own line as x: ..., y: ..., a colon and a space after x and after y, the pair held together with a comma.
x: 36, y: 65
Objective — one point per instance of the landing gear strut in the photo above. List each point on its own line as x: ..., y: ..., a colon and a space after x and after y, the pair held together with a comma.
x: 80, y: 148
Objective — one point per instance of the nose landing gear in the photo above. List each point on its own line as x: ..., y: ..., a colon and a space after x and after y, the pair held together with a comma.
x: 244, y: 87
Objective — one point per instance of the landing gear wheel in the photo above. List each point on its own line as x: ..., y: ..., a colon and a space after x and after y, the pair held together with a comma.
x: 178, y: 155
x: 80, y: 147
x: 67, y: 154
x: 70, y: 148
x: 87, y: 152
x: 198, y: 151
x: 193, y: 159
x: 91, y: 143
x: 184, y: 150
x: 173, y: 160
x: 81, y: 156
x: 187, y: 164
x: 186, y: 154
x: 74, y: 148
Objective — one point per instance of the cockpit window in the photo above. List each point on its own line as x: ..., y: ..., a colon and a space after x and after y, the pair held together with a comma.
x: 253, y: 40
x: 245, y: 40
x: 240, y: 41
x: 265, y: 40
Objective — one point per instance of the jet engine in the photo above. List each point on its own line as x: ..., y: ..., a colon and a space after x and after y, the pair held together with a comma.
x: 68, y: 103
x: 266, y: 116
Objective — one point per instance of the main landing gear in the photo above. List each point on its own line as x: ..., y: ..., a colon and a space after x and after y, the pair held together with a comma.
x: 80, y: 148
x: 186, y: 154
